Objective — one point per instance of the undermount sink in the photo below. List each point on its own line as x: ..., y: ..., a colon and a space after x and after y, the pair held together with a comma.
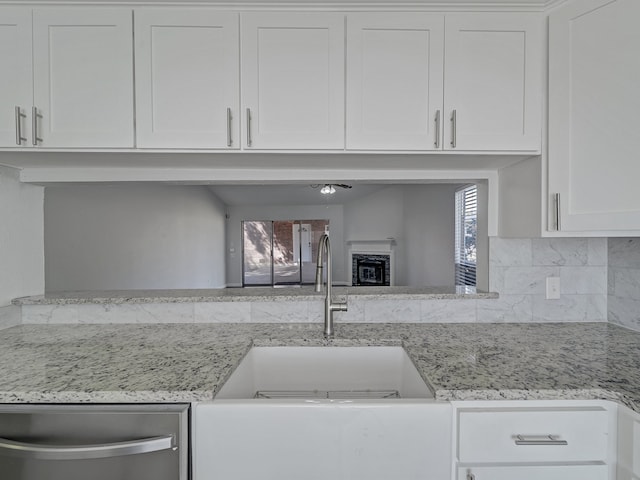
x: 325, y: 372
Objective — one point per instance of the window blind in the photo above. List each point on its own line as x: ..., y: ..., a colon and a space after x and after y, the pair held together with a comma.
x: 466, y: 212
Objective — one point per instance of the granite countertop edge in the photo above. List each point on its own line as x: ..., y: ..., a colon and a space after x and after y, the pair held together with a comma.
x: 158, y: 397
x: 258, y: 294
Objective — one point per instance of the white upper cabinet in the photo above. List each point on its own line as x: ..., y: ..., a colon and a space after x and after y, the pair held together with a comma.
x: 460, y: 82
x: 16, y: 80
x: 594, y: 120
x: 394, y: 81
x: 187, y: 78
x: 293, y: 80
x: 83, y: 77
x: 493, y: 76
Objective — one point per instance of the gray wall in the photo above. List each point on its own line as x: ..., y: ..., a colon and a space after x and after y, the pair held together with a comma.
x: 429, y: 222
x: 21, y: 239
x: 133, y: 237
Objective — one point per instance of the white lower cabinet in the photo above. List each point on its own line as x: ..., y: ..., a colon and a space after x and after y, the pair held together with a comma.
x: 413, y: 440
x: 320, y: 440
x: 628, y: 444
x: 565, y: 472
x: 531, y: 440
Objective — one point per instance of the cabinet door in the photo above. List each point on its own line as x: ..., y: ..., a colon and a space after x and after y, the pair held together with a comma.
x: 187, y: 79
x: 628, y: 465
x: 394, y: 81
x: 83, y: 66
x: 293, y: 80
x: 569, y: 472
x: 16, y: 80
x: 493, y: 74
x: 594, y: 120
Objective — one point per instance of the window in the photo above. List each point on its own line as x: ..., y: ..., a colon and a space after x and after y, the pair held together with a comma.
x: 465, y: 235
x: 280, y: 252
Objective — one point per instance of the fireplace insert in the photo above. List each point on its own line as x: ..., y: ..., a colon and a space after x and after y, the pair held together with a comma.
x: 371, y: 270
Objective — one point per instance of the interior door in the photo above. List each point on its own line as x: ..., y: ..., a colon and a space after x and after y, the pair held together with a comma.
x: 302, y: 241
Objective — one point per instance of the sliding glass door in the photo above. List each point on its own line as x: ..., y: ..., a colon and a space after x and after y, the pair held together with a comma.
x: 280, y: 252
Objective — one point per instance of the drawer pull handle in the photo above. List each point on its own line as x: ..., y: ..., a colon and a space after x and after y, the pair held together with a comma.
x: 539, y: 440
x: 86, y: 452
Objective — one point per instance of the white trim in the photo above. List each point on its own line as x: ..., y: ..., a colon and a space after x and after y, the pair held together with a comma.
x: 337, y: 6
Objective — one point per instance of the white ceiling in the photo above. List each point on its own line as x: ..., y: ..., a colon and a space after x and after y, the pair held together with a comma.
x: 298, y: 194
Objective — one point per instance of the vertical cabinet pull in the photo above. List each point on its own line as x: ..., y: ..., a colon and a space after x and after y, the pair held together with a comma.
x: 471, y: 476
x: 248, y: 127
x: 437, y: 120
x: 556, y: 199
x: 229, y: 139
x: 34, y: 126
x: 453, y: 128
x: 19, y: 117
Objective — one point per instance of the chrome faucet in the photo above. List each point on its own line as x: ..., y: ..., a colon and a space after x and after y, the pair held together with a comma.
x: 329, y: 306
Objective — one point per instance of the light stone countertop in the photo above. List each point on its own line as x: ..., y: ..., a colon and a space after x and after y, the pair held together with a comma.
x: 190, y: 362
x: 256, y: 294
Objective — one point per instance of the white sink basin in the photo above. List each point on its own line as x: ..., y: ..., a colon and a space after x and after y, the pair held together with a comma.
x: 325, y: 372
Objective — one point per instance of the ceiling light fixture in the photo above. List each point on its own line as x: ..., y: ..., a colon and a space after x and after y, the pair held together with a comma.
x: 328, y: 189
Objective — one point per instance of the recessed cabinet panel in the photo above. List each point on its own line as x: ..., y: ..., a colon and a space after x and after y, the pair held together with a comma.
x: 504, y: 435
x: 594, y: 100
x: 394, y: 81
x: 16, y: 80
x: 493, y: 82
x: 572, y: 472
x: 187, y: 79
x: 293, y: 80
x: 83, y: 67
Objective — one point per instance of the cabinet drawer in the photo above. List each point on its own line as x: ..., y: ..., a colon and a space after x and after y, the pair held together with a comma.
x: 521, y: 435
x: 571, y: 472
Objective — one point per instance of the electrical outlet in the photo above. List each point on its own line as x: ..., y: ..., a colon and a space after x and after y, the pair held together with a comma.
x: 553, y: 288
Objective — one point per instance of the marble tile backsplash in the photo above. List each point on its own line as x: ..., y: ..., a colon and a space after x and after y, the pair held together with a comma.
x: 10, y: 316
x: 599, y: 280
x: 518, y: 269
x: 624, y: 282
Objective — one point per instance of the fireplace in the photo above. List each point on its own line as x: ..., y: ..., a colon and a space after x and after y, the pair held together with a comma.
x: 371, y: 262
x: 370, y: 270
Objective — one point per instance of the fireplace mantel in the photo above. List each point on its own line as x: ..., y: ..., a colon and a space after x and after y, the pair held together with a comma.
x: 369, y: 246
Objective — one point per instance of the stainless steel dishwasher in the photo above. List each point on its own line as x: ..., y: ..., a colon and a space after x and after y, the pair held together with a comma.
x: 100, y: 442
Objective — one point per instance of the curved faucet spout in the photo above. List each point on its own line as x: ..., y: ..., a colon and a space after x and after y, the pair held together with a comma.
x: 324, y: 245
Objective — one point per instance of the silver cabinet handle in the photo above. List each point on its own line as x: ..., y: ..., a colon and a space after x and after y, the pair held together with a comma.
x: 556, y: 199
x: 248, y: 127
x: 229, y: 139
x: 84, y: 452
x: 437, y: 120
x: 471, y: 476
x: 34, y: 126
x: 454, y: 126
x: 19, y: 117
x: 539, y: 440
